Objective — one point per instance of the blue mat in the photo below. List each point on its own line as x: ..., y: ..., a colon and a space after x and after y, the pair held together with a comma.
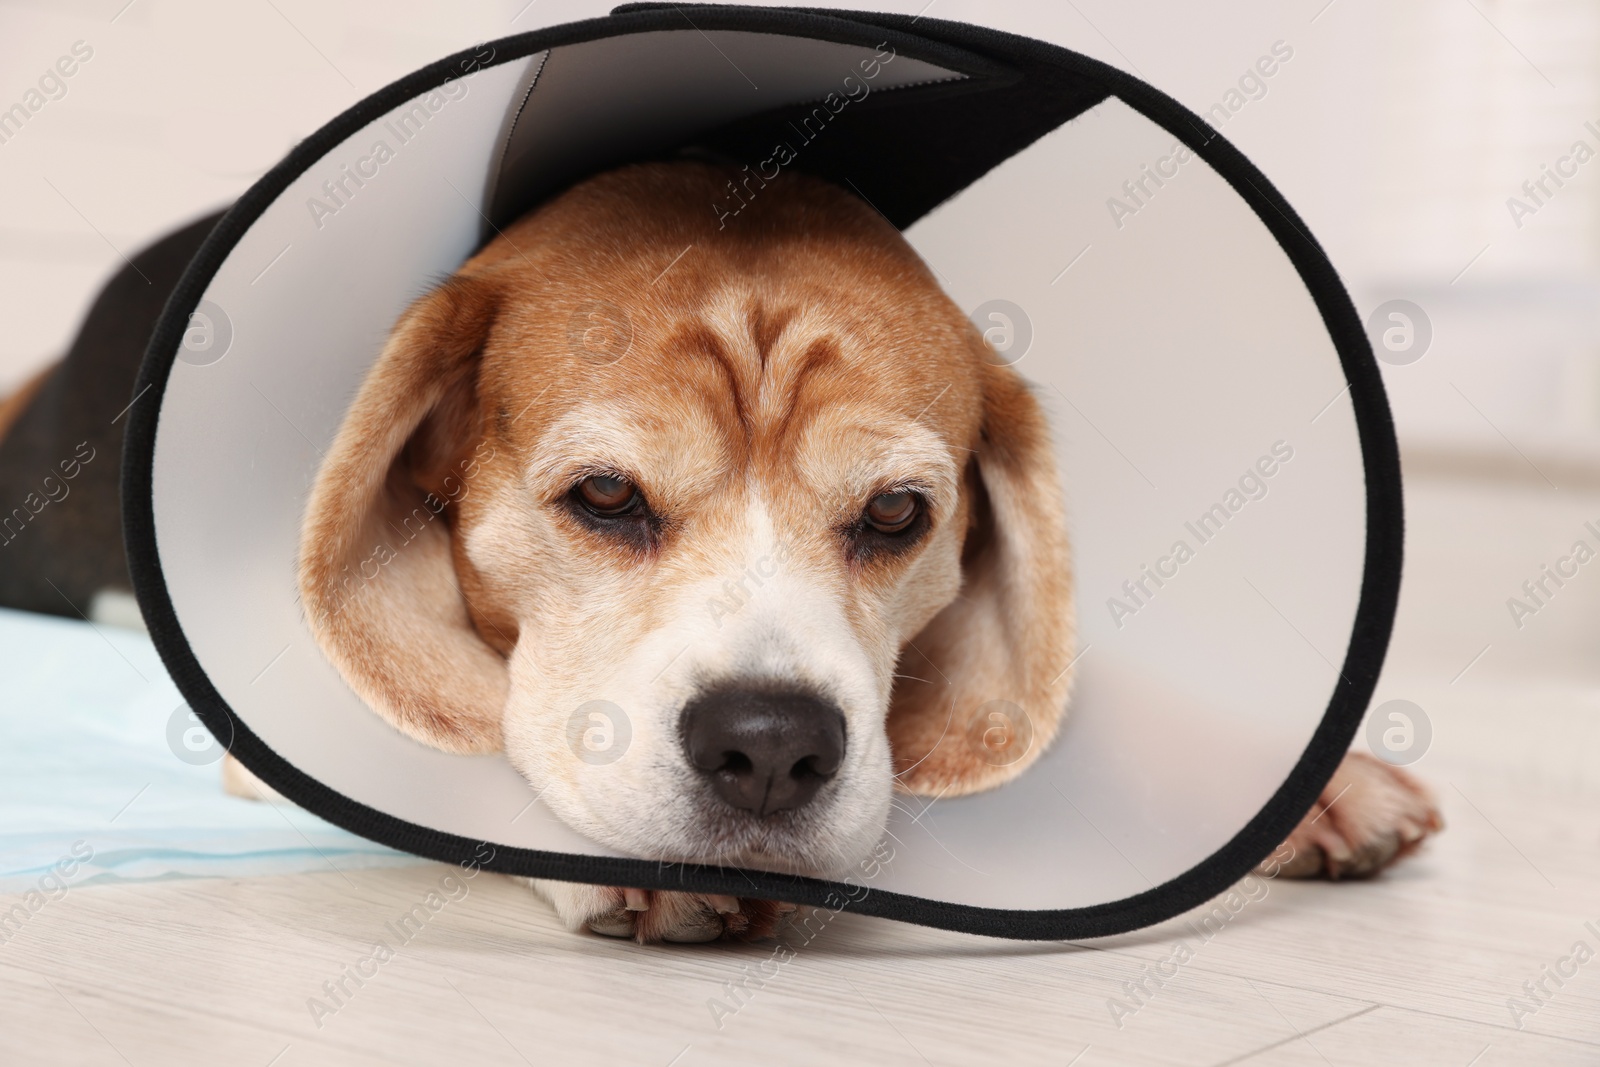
x: 99, y: 780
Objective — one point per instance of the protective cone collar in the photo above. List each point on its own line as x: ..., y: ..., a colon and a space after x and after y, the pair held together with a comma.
x: 1181, y: 342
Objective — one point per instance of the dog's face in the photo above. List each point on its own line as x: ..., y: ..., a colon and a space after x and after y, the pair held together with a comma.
x: 713, y: 531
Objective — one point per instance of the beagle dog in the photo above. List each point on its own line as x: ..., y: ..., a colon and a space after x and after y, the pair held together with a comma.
x: 723, y: 531
x: 760, y: 491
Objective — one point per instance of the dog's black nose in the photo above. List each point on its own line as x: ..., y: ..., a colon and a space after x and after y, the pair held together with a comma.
x: 764, y: 750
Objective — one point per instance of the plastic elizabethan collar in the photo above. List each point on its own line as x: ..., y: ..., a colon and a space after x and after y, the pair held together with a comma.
x: 1229, y: 461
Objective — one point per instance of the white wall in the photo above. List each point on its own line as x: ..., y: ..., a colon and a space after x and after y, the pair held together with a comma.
x: 1397, y: 130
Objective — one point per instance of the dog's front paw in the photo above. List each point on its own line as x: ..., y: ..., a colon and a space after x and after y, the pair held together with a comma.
x: 647, y: 915
x: 1369, y: 815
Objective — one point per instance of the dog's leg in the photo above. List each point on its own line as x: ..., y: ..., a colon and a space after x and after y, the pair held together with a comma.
x: 655, y: 915
x: 1368, y: 815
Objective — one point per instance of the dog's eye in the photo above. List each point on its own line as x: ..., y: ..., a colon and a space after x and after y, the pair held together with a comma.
x: 607, y: 495
x: 891, y: 524
x: 892, y: 512
x: 614, y: 507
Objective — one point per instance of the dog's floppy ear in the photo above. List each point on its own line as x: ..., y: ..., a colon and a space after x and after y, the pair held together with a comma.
x: 983, y: 687
x: 377, y: 580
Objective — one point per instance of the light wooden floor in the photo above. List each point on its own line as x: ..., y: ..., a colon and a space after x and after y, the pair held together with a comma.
x: 1414, y: 968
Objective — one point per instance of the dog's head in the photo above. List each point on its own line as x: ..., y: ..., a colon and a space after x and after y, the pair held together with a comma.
x: 718, y: 532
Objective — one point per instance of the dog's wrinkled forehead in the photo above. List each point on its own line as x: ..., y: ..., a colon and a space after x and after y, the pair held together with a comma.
x: 690, y: 406
x: 809, y: 348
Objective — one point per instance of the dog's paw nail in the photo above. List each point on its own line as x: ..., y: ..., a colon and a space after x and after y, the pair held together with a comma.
x: 612, y: 924
x: 694, y: 933
x: 724, y: 905
x: 787, y: 909
x: 636, y: 900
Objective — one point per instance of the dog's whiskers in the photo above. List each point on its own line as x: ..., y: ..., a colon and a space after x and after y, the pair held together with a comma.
x: 903, y: 809
x: 929, y: 660
x: 942, y: 734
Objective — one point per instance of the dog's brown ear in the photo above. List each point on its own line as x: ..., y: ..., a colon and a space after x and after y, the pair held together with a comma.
x: 377, y: 578
x: 983, y: 687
